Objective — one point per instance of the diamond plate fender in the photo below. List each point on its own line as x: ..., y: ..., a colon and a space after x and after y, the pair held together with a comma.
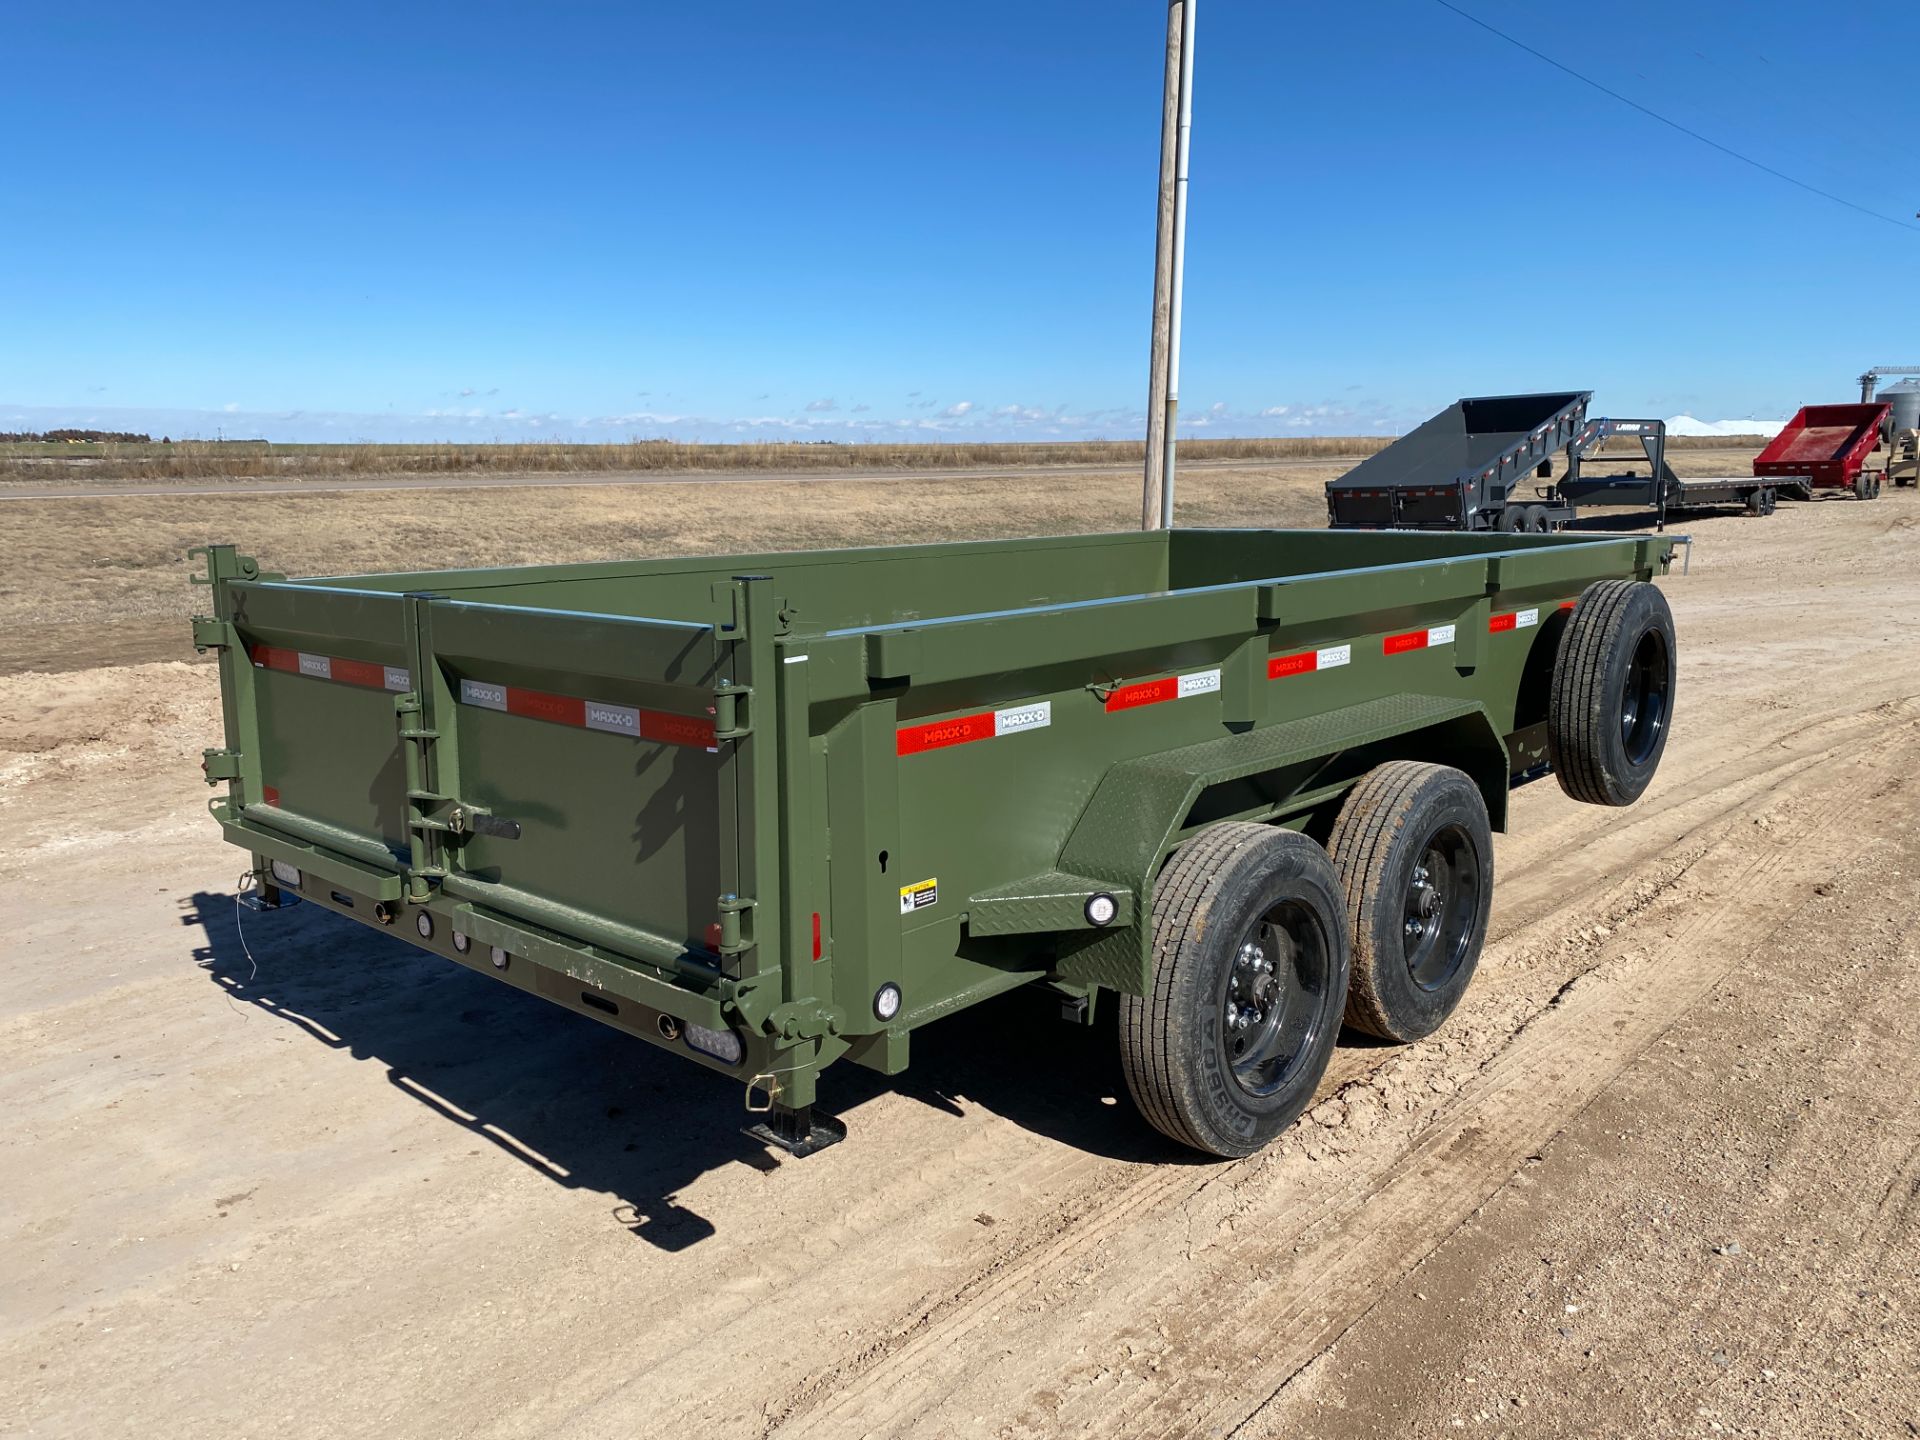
x: 1142, y: 808
x: 1041, y: 904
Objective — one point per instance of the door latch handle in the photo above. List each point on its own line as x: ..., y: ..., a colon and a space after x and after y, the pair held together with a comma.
x: 465, y: 820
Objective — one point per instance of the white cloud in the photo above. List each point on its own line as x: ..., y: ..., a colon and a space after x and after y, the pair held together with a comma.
x: 822, y: 405
x: 961, y: 421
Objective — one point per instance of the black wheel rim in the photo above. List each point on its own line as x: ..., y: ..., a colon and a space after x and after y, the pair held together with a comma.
x: 1441, y: 907
x: 1643, y: 708
x: 1274, y: 1003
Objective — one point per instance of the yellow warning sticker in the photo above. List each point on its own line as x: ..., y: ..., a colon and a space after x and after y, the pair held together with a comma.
x: 919, y: 895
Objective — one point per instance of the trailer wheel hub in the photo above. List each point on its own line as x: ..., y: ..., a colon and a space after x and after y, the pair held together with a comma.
x: 1443, y: 896
x: 1269, y: 1006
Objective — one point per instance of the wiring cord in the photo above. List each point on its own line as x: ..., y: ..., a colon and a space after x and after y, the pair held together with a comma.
x: 1671, y: 124
x: 240, y: 924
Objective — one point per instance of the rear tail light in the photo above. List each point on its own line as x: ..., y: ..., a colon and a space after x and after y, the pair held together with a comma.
x: 285, y: 874
x: 722, y: 1045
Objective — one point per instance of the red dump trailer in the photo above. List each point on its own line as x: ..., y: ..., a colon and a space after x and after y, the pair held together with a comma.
x: 1826, y: 446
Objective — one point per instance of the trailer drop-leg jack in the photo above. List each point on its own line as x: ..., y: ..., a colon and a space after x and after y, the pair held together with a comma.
x: 798, y: 1132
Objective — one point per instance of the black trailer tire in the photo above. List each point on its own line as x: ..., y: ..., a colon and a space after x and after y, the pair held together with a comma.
x: 1415, y: 855
x: 1876, y: 488
x: 1510, y: 519
x: 1862, y: 487
x: 1535, y: 520
x: 1251, y: 959
x: 1613, y: 687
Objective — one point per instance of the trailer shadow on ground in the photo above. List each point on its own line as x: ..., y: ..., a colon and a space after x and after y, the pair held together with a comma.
x: 593, y: 1109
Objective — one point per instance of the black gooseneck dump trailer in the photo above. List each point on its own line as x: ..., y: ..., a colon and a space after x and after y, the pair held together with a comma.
x: 1478, y: 463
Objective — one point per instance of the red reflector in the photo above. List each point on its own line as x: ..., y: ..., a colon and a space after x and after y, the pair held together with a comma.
x: 359, y: 672
x: 816, y: 934
x: 270, y: 795
x: 713, y: 937
x: 677, y: 729
x: 941, y: 733
x: 1502, y: 622
x: 538, y: 705
x: 275, y: 657
x: 1283, y: 665
x: 1566, y: 604
x: 1399, y: 644
x: 1147, y: 692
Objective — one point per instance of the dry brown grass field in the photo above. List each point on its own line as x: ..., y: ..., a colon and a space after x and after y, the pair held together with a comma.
x: 252, y: 460
x: 103, y: 579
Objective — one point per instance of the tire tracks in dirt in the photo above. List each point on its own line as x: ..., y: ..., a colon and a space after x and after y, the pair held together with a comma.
x: 1329, y: 1249
x: 1097, y: 1203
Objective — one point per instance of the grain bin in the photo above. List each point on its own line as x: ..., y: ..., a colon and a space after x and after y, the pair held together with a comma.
x: 1905, y: 400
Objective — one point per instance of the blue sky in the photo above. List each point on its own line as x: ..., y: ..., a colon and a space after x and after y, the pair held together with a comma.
x: 775, y: 220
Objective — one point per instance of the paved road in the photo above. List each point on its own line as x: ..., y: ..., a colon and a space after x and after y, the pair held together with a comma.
x: 109, y: 489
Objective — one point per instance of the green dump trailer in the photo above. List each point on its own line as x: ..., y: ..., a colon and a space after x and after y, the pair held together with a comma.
x: 773, y: 811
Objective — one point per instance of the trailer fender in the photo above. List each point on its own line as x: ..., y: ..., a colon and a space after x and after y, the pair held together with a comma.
x: 1142, y: 808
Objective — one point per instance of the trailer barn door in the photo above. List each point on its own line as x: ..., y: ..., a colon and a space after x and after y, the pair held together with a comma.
x: 320, y: 671
x: 579, y: 764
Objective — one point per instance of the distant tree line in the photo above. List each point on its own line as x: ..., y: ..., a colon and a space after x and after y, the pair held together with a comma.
x: 120, y: 437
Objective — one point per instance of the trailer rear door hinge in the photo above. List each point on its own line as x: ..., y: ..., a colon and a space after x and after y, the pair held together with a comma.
x: 732, y: 717
x: 735, y: 928
x: 220, y: 765
x: 211, y: 634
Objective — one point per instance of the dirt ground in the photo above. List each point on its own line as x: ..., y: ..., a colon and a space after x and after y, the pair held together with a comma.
x: 1660, y: 1176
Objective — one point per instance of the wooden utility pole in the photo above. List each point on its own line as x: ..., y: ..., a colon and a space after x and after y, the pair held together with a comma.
x: 1169, y: 254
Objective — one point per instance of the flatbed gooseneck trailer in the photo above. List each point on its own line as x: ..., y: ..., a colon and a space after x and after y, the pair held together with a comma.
x: 1478, y: 464
x: 772, y: 811
x: 1658, y: 489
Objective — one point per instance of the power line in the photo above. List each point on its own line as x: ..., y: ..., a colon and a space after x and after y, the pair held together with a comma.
x: 1673, y: 124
